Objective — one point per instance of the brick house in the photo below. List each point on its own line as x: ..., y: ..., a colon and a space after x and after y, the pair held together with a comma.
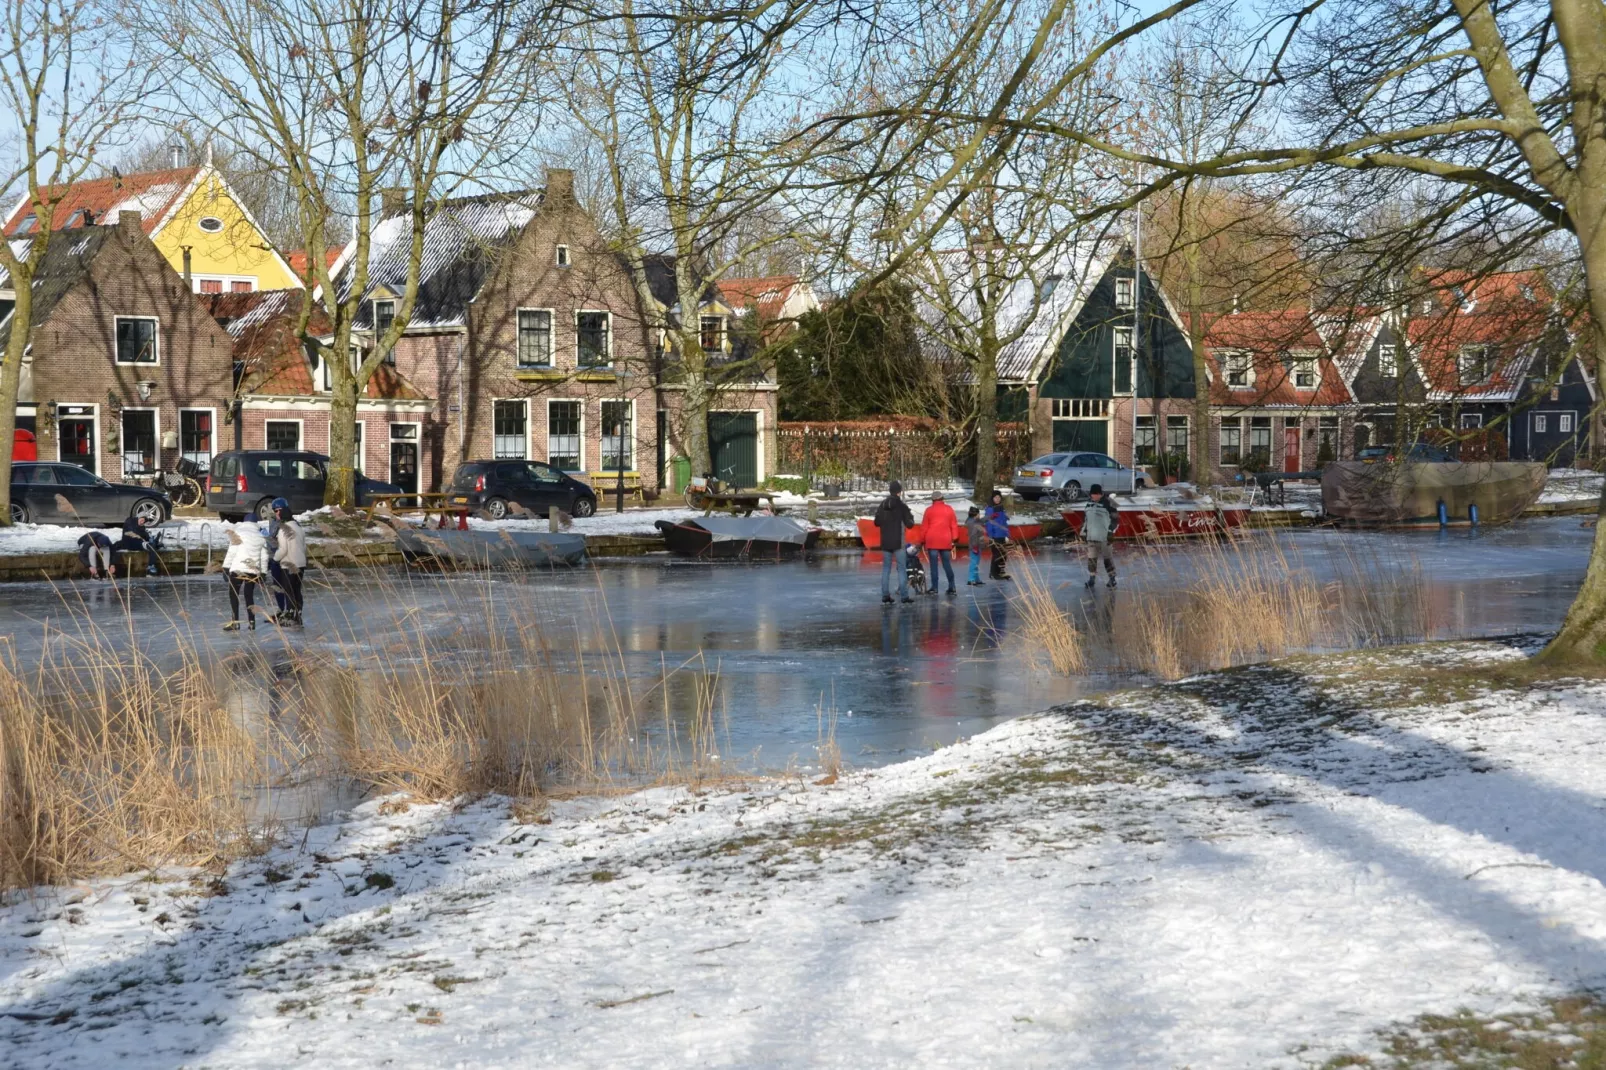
x: 283, y: 390
x: 1277, y: 398
x: 126, y: 372
x: 526, y: 339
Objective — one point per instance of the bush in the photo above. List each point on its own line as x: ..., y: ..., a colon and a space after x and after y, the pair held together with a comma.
x: 788, y: 484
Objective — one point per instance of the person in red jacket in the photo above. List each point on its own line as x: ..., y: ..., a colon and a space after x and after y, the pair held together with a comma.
x: 941, y: 530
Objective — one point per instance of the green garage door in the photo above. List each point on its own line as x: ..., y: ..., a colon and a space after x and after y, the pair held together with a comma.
x: 733, y: 444
x: 1091, y: 435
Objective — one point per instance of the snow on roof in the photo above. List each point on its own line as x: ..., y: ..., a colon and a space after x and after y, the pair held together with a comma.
x: 150, y: 193
x: 460, y: 239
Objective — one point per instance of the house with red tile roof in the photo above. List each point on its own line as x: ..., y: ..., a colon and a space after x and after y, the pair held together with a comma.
x: 282, y: 389
x: 1277, y: 397
x: 196, y: 221
x: 774, y: 299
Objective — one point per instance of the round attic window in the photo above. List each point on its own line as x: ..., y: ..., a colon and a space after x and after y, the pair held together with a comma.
x: 211, y: 224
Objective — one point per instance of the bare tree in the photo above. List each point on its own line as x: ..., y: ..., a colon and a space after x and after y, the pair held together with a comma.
x: 681, y: 100
x: 67, y: 97
x: 349, y: 98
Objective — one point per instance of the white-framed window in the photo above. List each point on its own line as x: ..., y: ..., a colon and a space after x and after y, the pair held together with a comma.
x: 1388, y: 362
x: 1472, y: 365
x: 384, y: 316
x: 1122, y: 360
x: 217, y: 284
x: 1305, y: 373
x: 510, y: 431
x: 1125, y: 289
x: 1564, y: 423
x: 618, y: 435
x: 1176, y: 435
x: 1471, y: 419
x: 137, y: 340
x: 565, y: 434
x: 711, y: 333
x: 593, y: 339
x: 1232, y: 430
x: 195, y: 428
x: 1260, y: 438
x: 563, y: 256
x: 320, y: 372
x: 535, y: 338
x: 1541, y: 424
x: 281, y: 434
x: 1239, y: 370
x: 211, y: 224
x: 356, y: 445
x: 1147, y: 439
x: 140, y: 434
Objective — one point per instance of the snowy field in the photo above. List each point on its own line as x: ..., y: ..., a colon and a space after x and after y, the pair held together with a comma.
x: 1259, y: 868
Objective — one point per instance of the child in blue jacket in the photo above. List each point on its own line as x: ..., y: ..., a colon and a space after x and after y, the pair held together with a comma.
x: 998, y: 534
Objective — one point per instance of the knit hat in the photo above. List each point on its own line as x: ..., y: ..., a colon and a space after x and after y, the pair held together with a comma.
x: 895, y: 487
x: 1095, y: 489
x: 936, y: 495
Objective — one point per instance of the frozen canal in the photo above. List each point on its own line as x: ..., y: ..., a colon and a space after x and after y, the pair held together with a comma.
x: 794, y: 643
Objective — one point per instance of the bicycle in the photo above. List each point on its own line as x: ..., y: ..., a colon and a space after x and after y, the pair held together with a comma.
x: 181, y: 483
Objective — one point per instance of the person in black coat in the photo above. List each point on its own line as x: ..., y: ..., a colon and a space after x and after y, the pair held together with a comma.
x: 135, y: 537
x: 95, y: 553
x: 893, y: 519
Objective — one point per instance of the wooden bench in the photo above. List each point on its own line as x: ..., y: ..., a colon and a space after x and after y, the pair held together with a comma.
x: 606, y: 484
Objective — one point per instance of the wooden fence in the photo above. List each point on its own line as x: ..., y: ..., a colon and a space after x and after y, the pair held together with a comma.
x: 866, y: 455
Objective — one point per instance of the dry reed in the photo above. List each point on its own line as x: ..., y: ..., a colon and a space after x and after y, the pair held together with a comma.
x: 111, y: 761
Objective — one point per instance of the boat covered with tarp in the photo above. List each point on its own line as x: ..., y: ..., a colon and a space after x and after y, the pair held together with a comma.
x: 501, y: 548
x: 733, y: 537
x: 1410, y: 493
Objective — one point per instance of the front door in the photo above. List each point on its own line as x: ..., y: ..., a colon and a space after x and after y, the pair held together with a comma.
x: 404, y: 457
x: 1291, y: 446
x: 1091, y: 435
x: 733, y: 445
x: 77, y: 436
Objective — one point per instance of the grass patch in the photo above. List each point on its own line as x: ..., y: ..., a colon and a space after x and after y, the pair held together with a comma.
x: 1561, y: 1034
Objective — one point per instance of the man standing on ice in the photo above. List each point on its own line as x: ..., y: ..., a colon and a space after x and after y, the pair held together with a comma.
x: 892, y: 519
x: 1099, y: 517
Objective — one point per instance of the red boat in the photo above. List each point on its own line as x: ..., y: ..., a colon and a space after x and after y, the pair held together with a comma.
x: 870, y: 535
x: 1167, y: 514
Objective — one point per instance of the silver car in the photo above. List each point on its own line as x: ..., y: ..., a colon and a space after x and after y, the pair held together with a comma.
x: 1069, y: 475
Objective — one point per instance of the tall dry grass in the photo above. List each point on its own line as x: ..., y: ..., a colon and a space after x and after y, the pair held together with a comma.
x: 111, y: 759
x: 1223, y: 603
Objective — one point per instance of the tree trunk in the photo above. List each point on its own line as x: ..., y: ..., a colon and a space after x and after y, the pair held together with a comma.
x: 10, y: 385
x: 340, y: 488
x: 694, y: 423
x: 1202, y: 468
x: 986, y: 420
x: 1583, y: 634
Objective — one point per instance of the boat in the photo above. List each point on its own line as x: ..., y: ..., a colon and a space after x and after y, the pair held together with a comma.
x: 491, y: 549
x: 870, y: 535
x: 1409, y: 494
x: 724, y: 538
x: 1176, y: 511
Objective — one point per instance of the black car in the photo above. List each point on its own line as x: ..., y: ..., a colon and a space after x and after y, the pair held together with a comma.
x: 245, y: 482
x: 44, y: 493
x: 491, y: 485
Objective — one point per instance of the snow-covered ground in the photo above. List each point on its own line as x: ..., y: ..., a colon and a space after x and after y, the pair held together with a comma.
x: 49, y: 539
x: 1571, y: 485
x: 1257, y: 868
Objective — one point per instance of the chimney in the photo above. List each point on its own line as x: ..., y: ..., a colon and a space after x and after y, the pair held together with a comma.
x: 187, y: 284
x: 559, y: 183
x: 392, y: 202
x: 128, y: 222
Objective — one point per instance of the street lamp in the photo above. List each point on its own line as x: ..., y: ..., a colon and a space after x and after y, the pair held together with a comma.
x: 620, y: 429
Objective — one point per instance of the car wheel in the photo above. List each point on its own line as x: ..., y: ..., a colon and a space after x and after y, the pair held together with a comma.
x: 584, y: 506
x: 497, y: 508
x: 1071, y: 492
x: 264, y: 510
x: 149, y: 510
x: 19, y: 513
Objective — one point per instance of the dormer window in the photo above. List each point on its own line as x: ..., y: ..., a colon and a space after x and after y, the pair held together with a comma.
x: 81, y: 218
x: 1124, y: 291
x: 711, y: 334
x: 563, y: 256
x: 1473, y: 366
x: 320, y: 373
x: 1304, y: 372
x: 1240, y: 372
x: 384, y: 316
x: 29, y: 224
x: 1388, y: 362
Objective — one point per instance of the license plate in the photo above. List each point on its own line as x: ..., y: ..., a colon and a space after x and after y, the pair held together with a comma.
x: 459, y: 501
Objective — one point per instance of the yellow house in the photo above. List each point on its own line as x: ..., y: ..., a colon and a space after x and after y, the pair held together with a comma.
x: 191, y: 215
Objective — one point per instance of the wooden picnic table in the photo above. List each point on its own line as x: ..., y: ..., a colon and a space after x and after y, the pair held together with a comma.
x: 737, y: 503
x: 426, y: 503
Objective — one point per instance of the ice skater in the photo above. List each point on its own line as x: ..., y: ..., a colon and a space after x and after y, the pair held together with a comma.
x: 976, y: 535
x: 95, y: 554
x: 893, y: 519
x: 289, y: 560
x: 998, y: 534
x: 1099, y: 518
x: 941, y: 530
x: 136, y: 538
x: 244, y: 565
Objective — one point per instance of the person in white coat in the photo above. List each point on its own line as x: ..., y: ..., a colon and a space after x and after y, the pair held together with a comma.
x: 289, y: 561
x: 244, y: 565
